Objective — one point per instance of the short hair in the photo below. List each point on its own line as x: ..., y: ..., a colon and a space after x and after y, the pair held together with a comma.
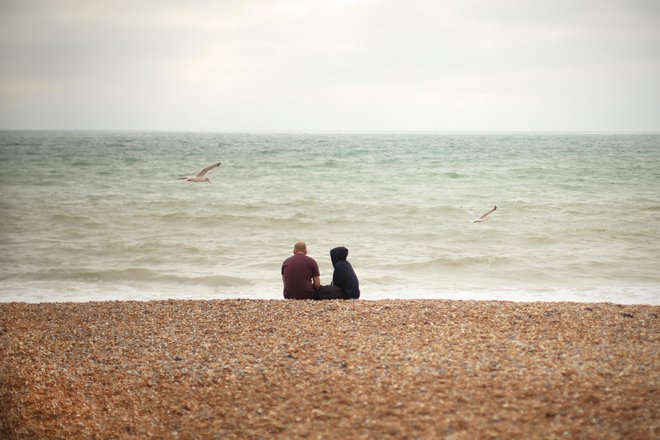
x: 300, y: 247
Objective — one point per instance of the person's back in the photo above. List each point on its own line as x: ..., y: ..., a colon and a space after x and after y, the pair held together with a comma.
x: 344, y: 276
x: 300, y: 274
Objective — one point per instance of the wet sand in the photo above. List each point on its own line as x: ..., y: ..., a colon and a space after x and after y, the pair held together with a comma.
x: 336, y: 369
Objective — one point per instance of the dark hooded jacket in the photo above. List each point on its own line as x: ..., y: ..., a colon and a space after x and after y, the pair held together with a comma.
x: 344, y: 276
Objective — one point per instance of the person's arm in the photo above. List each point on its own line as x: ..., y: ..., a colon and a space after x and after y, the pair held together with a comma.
x: 339, y: 276
x: 316, y: 275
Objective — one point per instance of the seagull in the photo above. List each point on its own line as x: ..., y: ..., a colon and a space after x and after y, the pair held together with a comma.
x: 479, y: 219
x: 199, y: 177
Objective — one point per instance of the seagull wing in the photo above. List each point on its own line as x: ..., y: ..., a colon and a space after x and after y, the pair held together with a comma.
x: 488, y: 213
x: 207, y: 169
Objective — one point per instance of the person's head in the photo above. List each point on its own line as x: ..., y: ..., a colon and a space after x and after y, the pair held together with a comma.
x: 338, y: 254
x: 300, y: 248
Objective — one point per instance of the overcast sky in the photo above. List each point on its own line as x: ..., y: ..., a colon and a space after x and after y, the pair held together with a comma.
x: 330, y: 65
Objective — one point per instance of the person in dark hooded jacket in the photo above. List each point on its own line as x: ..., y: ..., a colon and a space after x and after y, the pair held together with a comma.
x: 344, y: 276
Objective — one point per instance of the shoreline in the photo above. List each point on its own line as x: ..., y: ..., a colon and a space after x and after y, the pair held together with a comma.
x: 404, y: 368
x: 515, y: 296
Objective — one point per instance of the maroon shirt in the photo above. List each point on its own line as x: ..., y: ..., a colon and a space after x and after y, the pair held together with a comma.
x: 297, y: 273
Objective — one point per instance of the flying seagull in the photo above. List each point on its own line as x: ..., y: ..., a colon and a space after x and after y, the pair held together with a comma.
x: 479, y: 219
x: 199, y: 177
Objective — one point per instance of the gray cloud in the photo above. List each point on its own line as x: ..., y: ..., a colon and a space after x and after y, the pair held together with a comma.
x: 330, y: 65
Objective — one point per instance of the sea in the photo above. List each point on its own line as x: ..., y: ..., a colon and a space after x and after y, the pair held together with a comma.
x: 98, y: 216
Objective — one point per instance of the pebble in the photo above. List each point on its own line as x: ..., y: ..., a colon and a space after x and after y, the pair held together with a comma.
x: 329, y: 369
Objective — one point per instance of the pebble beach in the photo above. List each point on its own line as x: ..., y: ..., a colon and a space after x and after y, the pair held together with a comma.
x: 251, y: 369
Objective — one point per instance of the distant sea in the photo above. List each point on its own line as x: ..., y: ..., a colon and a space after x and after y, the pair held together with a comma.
x: 90, y: 216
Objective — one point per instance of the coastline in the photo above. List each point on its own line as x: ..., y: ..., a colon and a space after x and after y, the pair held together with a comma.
x: 343, y: 369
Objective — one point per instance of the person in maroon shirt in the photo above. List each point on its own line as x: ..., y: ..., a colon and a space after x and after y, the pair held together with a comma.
x: 300, y: 274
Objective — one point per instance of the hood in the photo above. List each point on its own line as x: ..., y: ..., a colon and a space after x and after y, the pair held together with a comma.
x: 338, y: 254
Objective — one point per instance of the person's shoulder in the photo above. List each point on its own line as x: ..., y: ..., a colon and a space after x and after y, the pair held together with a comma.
x: 310, y: 260
x: 299, y: 257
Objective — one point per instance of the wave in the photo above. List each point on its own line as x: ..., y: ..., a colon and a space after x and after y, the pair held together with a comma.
x: 454, y: 175
x: 69, y: 218
x: 133, y: 275
x: 453, y: 261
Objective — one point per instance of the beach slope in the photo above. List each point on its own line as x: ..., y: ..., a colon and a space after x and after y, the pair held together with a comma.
x: 335, y: 369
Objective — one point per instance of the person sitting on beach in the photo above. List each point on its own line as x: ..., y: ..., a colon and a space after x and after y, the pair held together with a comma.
x: 345, y: 283
x: 300, y: 274
x: 344, y: 276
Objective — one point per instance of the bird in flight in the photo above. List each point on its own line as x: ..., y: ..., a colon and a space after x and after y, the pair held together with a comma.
x: 481, y: 218
x: 199, y: 177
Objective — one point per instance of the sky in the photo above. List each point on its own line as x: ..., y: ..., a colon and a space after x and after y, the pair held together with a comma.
x: 330, y: 65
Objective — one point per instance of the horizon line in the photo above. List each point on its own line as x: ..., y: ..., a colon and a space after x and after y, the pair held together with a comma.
x: 196, y: 131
